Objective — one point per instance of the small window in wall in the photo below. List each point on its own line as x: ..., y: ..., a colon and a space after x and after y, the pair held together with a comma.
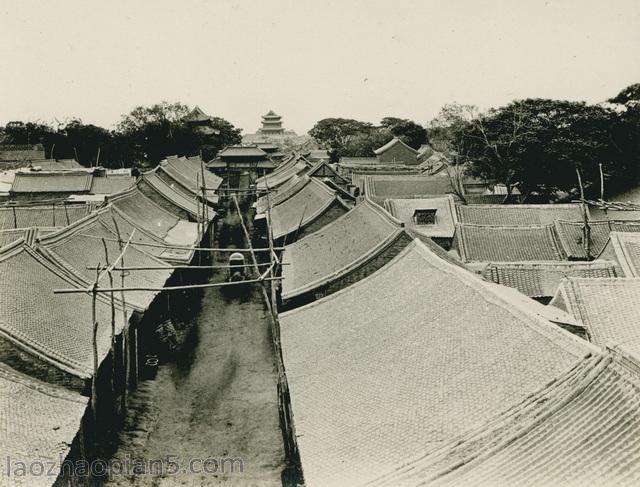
x: 424, y: 217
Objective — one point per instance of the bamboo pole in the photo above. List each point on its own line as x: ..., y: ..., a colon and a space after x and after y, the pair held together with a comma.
x: 195, y: 267
x: 113, y: 318
x: 167, y: 288
x: 181, y: 247
x: 586, y: 229
x: 125, y: 321
x: 94, y: 379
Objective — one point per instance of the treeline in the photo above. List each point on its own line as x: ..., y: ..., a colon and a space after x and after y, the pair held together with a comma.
x: 535, y: 145
x: 346, y: 137
x: 142, y: 137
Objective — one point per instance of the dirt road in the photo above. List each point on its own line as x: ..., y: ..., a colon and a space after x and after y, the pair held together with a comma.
x: 219, y: 402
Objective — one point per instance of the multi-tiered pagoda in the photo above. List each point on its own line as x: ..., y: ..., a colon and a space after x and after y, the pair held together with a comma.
x: 271, y: 124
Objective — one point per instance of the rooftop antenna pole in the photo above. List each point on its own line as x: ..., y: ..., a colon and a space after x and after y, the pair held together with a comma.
x: 586, y: 229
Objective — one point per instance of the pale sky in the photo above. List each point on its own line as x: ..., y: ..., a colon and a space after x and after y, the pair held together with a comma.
x: 308, y: 60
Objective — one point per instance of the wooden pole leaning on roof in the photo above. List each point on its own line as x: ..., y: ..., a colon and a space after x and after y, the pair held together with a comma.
x: 586, y: 228
x: 113, y: 318
x: 125, y: 318
x: 94, y: 322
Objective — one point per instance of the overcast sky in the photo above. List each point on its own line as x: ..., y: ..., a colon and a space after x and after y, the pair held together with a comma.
x: 308, y: 60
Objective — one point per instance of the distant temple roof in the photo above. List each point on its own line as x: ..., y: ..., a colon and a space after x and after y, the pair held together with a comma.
x: 391, y: 144
x: 197, y: 115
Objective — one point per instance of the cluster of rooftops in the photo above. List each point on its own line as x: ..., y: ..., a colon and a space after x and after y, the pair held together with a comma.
x: 47, y: 347
x: 426, y: 341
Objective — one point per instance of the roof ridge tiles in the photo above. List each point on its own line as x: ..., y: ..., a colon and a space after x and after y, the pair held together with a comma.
x: 10, y: 374
x: 474, y: 282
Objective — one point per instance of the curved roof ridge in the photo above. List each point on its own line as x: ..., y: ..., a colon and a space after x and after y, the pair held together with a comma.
x: 322, y: 236
x: 554, y: 263
x: 34, y: 346
x: 68, y: 231
x: 475, y: 282
x: 135, y: 191
x: 515, y: 227
x: 383, y: 212
x: 541, y: 399
x: 391, y: 143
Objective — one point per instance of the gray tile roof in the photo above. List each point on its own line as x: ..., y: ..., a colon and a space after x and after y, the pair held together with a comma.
x: 110, y: 184
x: 609, y: 308
x: 491, y: 243
x: 625, y: 249
x: 187, y: 173
x: 302, y: 208
x: 54, y: 182
x: 444, y: 226
x: 58, y: 215
x: 571, y: 235
x: 517, y: 214
x: 407, y: 359
x: 32, y: 316
x: 282, y: 174
x: 582, y: 429
x: 173, y: 194
x: 80, y: 245
x: 38, y: 423
x: 541, y: 279
x: 406, y: 186
x: 337, y: 248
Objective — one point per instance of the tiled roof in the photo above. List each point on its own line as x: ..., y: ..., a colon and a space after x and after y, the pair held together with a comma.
x: 326, y: 167
x: 196, y: 115
x: 337, y: 248
x: 145, y: 212
x: 408, y: 358
x: 157, y: 225
x: 38, y: 423
x: 241, y: 151
x: 608, y: 308
x: 32, y: 316
x: 406, y: 186
x: 57, y: 215
x: 444, y: 226
x: 625, y: 247
x: 60, y: 182
x: 172, y: 193
x: 187, y: 173
x: 302, y: 208
x: 582, y: 429
x: 492, y: 243
x: 29, y: 235
x: 282, y: 193
x: 541, y: 279
x: 392, y: 143
x: 80, y: 245
x: 57, y: 165
x: 360, y: 161
x: 517, y: 214
x: 571, y: 235
x: 110, y: 184
x: 280, y: 177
